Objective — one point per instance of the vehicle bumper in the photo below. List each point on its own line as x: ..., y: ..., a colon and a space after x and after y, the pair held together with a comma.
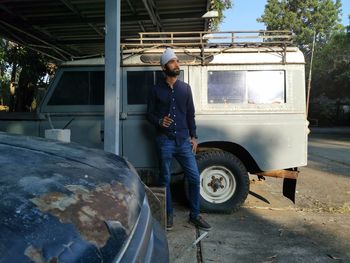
x: 148, y: 241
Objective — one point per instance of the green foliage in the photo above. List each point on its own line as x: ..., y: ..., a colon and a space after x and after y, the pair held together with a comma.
x: 324, y: 110
x: 33, y: 69
x: 4, y: 90
x: 220, y: 6
x: 31, y: 63
x: 331, y: 84
x: 27, y: 69
x: 4, y: 76
x: 332, y: 67
x: 330, y: 112
x: 303, y: 17
x: 2, y: 57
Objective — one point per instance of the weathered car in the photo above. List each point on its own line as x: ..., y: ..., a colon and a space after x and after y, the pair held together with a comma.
x: 62, y: 202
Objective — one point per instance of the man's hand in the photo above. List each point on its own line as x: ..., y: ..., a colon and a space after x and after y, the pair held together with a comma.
x: 166, y: 121
x: 194, y: 144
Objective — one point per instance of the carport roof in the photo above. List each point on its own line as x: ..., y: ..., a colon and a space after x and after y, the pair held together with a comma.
x: 70, y: 29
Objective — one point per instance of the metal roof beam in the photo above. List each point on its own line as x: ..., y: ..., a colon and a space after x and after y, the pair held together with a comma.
x: 77, y: 12
x: 133, y: 10
x: 56, y: 49
x: 80, y: 41
x: 77, y: 26
x: 19, y: 41
x: 67, y: 21
x: 64, y: 20
x: 19, y: 26
x: 206, y: 21
x: 152, y: 12
x: 6, y: 9
x: 131, y: 18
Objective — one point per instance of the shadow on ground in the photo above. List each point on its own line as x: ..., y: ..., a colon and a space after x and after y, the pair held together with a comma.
x: 268, y: 229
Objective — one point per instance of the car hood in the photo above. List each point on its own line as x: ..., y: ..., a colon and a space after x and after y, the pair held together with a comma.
x: 62, y: 202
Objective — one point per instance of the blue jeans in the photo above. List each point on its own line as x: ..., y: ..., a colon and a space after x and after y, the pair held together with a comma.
x: 168, y: 149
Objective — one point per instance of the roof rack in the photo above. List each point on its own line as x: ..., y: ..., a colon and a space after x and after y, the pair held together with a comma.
x: 209, y: 43
x: 211, y: 39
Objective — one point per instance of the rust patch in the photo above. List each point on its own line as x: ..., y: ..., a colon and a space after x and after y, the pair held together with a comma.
x: 55, y: 200
x: 280, y: 174
x: 88, y: 210
x: 34, y: 254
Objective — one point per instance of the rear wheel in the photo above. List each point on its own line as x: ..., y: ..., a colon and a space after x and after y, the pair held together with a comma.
x: 224, y: 181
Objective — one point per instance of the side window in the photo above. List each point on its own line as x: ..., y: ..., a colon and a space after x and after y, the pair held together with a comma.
x: 97, y: 87
x: 266, y: 86
x: 242, y: 87
x: 79, y: 88
x: 226, y: 86
x: 139, y: 82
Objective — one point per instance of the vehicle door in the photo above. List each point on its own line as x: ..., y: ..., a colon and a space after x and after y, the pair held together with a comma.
x: 138, y: 134
x: 75, y: 101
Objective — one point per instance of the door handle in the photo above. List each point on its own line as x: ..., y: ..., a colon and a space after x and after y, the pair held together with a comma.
x: 123, y: 115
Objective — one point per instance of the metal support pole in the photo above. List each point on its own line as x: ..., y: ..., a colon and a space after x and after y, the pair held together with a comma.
x: 112, y: 76
x: 310, y: 76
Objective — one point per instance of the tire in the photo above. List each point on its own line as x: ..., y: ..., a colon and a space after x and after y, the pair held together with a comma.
x: 224, y: 182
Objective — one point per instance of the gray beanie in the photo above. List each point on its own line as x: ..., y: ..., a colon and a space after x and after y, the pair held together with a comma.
x: 167, y: 55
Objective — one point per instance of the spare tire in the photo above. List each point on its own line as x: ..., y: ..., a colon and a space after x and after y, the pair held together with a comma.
x: 224, y: 182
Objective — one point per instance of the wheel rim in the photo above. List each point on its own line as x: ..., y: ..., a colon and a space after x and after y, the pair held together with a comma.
x: 218, y: 184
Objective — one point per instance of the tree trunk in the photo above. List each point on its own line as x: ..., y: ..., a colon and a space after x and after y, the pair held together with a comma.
x: 25, y: 90
x: 13, y: 87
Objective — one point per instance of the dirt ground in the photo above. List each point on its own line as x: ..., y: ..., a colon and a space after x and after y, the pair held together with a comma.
x: 270, y: 228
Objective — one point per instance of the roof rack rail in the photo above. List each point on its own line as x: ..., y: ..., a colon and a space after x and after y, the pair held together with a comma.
x: 207, y: 39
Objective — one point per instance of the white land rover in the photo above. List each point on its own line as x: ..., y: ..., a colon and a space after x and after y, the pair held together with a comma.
x: 249, y: 94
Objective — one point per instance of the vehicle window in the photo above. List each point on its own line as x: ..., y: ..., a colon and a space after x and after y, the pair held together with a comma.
x: 244, y: 87
x: 97, y: 87
x: 79, y: 88
x: 139, y: 82
x: 266, y: 86
x: 226, y: 86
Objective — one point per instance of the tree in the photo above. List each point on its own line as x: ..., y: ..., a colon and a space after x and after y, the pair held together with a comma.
x: 332, y: 67
x: 28, y: 69
x: 4, y: 76
x: 303, y: 17
x: 220, y: 6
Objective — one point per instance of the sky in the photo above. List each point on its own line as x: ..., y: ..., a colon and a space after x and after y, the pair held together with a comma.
x: 244, y: 13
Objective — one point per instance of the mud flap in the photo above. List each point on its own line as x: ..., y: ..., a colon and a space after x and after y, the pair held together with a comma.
x: 289, y: 187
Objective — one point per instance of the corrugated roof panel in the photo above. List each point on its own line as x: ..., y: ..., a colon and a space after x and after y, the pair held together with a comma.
x: 77, y: 26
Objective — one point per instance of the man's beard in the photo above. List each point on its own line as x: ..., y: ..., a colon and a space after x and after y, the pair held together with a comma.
x: 172, y: 73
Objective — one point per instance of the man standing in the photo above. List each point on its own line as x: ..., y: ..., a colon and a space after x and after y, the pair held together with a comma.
x: 171, y: 111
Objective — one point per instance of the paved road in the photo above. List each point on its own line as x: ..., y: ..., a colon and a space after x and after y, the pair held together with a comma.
x: 315, y: 229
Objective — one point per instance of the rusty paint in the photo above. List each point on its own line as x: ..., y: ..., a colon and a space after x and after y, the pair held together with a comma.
x: 89, y: 209
x: 34, y: 254
x: 280, y: 174
x: 56, y: 200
